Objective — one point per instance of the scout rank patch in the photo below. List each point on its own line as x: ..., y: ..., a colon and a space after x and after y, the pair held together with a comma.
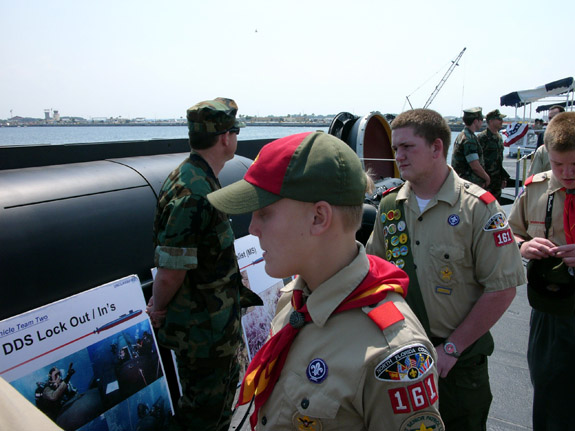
x: 305, y: 423
x: 423, y: 422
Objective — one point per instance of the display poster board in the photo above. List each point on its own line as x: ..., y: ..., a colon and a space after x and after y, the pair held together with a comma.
x: 256, y: 320
x: 103, y: 341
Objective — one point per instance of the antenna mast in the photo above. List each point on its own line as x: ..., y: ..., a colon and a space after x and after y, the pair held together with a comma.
x: 454, y: 63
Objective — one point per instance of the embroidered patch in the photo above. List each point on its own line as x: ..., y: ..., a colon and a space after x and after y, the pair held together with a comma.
x: 409, y: 363
x: 403, y: 238
x: 391, y: 229
x: 446, y: 273
x: 453, y: 220
x: 423, y: 421
x: 394, y: 240
x: 414, y: 397
x: 400, y: 263
x: 390, y: 214
x: 403, y: 250
x: 443, y: 290
x: 401, y: 226
x: 397, y: 214
x: 317, y: 371
x: 395, y: 252
x: 497, y: 221
x: 305, y: 423
x: 503, y: 237
x: 388, y: 255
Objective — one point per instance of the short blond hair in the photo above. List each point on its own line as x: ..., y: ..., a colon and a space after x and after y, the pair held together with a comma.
x: 560, y: 133
x: 352, y: 215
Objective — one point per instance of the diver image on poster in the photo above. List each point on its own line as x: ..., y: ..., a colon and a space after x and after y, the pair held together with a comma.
x: 120, y: 369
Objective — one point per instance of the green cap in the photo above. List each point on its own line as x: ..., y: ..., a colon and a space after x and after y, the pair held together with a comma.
x: 551, y: 286
x: 213, y: 116
x: 495, y: 114
x: 307, y: 167
x: 472, y: 113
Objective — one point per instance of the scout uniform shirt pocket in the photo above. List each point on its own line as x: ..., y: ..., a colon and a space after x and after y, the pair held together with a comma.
x: 447, y: 263
x: 306, y: 405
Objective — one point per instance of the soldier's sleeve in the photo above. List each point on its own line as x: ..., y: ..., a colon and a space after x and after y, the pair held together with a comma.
x: 401, y: 385
x: 376, y: 242
x: 187, y: 218
x: 497, y: 260
x: 471, y: 150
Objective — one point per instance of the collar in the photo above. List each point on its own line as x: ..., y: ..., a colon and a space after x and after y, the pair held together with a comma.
x: 554, y: 184
x: 322, y: 302
x: 448, y: 193
x: 200, y: 162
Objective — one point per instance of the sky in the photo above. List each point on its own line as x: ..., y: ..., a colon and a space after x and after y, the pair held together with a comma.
x: 155, y: 59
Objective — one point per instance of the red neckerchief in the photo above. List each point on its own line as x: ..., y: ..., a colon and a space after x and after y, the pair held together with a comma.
x: 569, y: 216
x: 265, y: 368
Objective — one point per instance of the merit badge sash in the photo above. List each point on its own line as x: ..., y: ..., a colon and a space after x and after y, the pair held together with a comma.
x: 398, y: 245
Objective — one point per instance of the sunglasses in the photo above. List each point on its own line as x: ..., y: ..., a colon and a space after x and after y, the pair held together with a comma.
x: 235, y: 130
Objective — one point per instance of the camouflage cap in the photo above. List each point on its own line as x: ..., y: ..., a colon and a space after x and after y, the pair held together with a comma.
x: 473, y: 113
x: 307, y: 167
x: 213, y: 116
x: 495, y: 114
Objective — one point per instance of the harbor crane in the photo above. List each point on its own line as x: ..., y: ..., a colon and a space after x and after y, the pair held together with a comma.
x: 454, y: 63
x: 438, y: 87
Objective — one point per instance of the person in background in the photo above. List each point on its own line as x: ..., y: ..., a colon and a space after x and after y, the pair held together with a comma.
x: 345, y: 352
x: 453, y: 240
x: 467, y: 159
x: 540, y: 161
x: 543, y: 221
x: 492, y: 146
x: 196, y: 292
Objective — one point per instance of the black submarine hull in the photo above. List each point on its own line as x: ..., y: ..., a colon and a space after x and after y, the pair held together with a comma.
x: 73, y: 217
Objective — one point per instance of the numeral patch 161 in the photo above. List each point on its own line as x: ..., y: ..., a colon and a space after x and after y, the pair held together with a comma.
x: 414, y: 397
x: 503, y: 237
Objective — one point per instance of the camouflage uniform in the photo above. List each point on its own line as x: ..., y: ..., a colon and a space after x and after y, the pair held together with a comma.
x: 203, y: 319
x: 492, y: 146
x: 465, y: 150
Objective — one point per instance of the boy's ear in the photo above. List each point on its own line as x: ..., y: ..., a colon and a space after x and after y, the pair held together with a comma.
x: 323, y: 216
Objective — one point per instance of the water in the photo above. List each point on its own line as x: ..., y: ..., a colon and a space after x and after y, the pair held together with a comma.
x: 86, y: 134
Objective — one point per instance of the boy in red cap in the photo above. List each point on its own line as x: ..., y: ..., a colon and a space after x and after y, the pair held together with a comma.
x: 345, y: 352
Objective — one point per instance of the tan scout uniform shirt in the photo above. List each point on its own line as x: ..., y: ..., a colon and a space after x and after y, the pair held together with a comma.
x: 461, y: 248
x: 19, y: 414
x: 527, y: 217
x: 354, y: 394
x: 540, y: 162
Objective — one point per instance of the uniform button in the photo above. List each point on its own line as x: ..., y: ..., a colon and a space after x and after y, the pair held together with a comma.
x: 416, y: 242
x: 466, y: 185
x: 304, y: 403
x: 446, y: 256
x: 264, y: 420
x: 414, y: 266
x: 420, y: 218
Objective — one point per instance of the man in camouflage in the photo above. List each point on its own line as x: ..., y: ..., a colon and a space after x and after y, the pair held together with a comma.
x: 467, y: 158
x: 492, y: 145
x: 196, y: 291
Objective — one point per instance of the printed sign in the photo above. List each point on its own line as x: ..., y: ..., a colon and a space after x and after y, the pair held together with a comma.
x: 86, y: 355
x: 257, y: 320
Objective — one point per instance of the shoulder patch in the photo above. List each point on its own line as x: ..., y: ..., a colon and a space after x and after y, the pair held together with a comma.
x: 390, y: 190
x: 496, y: 222
x: 537, y: 178
x: 406, y: 364
x: 487, y: 198
x: 385, y: 315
